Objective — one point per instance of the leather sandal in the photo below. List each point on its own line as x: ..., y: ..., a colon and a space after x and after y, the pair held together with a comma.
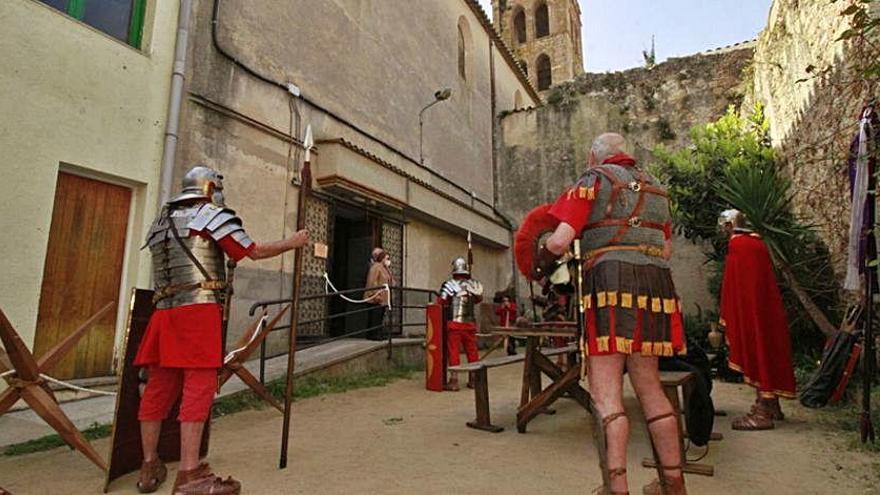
x: 201, y: 481
x: 452, y: 385
x: 612, y: 472
x: 665, y: 484
x: 153, y: 473
x: 758, y: 419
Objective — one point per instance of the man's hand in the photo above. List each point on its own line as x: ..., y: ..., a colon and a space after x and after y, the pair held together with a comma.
x: 270, y: 249
x: 299, y: 239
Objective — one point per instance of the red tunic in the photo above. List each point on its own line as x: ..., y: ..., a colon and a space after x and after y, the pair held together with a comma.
x: 752, y: 312
x: 188, y: 336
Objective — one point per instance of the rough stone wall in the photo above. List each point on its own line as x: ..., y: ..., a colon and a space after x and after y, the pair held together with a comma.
x: 545, y: 149
x: 562, y: 45
x: 813, y: 91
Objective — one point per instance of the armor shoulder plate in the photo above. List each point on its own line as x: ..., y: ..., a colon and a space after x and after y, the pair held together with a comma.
x: 219, y: 222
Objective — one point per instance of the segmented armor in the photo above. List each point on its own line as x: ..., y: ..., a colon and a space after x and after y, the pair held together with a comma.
x: 179, y: 279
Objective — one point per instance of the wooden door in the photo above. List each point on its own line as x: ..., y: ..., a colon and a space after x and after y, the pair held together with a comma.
x: 83, y: 271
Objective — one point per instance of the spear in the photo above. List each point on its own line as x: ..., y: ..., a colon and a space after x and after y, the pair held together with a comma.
x: 470, y: 254
x: 305, y: 189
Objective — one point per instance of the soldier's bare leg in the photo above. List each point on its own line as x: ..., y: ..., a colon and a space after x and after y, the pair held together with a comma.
x: 150, y: 431
x: 605, y: 376
x: 645, y: 378
x: 190, y: 441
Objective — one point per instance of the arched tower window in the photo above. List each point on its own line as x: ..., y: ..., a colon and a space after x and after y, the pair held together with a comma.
x: 542, y: 21
x: 519, y: 25
x: 545, y: 73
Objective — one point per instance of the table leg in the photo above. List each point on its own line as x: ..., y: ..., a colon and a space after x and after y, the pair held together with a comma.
x: 547, y: 396
x: 531, y: 347
x: 481, y: 402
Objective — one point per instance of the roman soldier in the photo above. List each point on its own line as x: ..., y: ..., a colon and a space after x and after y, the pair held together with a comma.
x: 621, y: 216
x: 756, y: 326
x: 182, y: 345
x: 461, y: 293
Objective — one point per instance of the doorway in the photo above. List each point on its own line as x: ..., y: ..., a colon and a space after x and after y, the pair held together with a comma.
x: 354, y: 235
x: 82, y: 272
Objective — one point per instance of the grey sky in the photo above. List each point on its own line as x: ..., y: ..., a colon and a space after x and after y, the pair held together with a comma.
x: 616, y: 31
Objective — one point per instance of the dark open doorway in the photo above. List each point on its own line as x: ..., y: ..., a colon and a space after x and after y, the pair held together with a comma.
x: 354, y: 236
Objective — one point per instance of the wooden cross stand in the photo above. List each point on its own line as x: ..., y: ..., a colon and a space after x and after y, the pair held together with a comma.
x: 27, y: 383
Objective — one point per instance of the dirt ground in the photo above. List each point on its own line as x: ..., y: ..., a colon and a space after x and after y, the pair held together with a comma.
x: 401, y: 439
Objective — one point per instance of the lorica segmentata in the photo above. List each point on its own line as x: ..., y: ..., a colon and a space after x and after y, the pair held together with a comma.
x: 178, y: 280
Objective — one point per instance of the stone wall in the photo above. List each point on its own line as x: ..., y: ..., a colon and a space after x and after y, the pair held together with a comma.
x: 813, y: 91
x: 543, y: 150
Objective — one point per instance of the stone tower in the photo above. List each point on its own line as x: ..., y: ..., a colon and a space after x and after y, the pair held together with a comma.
x: 545, y: 35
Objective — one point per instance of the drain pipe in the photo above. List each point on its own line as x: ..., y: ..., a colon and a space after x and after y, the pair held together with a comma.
x: 172, y: 123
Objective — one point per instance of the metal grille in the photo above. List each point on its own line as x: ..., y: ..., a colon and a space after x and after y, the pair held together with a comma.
x: 392, y: 243
x: 317, y: 222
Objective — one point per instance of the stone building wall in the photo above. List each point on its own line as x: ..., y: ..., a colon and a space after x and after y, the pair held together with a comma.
x: 813, y: 92
x: 545, y: 149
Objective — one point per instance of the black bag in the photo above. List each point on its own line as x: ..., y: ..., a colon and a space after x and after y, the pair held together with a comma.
x: 824, y: 381
x: 700, y: 417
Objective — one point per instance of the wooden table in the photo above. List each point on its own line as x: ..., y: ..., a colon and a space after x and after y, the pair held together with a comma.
x: 535, y: 399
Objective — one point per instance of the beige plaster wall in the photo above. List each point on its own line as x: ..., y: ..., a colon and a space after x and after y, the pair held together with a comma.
x: 75, y: 99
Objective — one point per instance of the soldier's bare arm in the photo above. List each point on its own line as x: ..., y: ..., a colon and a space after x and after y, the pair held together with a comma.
x: 271, y: 249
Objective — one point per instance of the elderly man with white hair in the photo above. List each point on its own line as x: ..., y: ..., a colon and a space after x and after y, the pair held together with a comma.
x: 621, y: 215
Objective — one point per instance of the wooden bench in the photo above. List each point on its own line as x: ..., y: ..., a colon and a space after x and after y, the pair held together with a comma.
x: 673, y: 382
x: 480, y: 375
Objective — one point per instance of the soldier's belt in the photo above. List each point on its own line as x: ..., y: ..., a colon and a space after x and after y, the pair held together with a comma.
x: 655, y: 251
x: 173, y: 290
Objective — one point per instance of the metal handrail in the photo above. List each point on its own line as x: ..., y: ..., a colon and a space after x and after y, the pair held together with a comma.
x: 389, y: 326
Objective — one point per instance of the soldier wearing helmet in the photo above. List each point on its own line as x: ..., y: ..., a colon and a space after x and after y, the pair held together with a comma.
x: 461, y: 293
x: 181, y: 348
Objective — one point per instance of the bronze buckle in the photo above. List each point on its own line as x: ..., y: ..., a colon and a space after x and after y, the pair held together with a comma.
x: 635, y: 186
x: 634, y: 222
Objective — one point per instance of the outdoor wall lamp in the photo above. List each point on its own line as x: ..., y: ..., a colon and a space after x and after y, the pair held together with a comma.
x: 439, y: 95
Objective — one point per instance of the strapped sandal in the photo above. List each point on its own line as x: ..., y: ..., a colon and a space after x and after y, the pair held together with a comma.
x: 153, y: 474
x: 201, y: 481
x: 664, y: 484
x: 609, y: 473
x: 757, y: 420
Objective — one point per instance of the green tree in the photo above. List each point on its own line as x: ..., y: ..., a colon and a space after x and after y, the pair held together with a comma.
x: 732, y: 165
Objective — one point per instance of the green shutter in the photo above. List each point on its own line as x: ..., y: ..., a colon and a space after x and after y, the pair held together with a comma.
x: 76, y: 9
x: 136, y: 26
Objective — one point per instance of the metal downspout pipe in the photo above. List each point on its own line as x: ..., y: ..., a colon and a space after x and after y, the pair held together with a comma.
x: 172, y: 123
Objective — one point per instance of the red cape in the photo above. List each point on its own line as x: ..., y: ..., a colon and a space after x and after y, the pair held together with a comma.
x: 752, y: 311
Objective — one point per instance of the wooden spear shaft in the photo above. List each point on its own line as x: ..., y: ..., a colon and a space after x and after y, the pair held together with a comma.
x: 305, y: 190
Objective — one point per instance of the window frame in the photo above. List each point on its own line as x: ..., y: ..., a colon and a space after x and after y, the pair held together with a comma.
x: 520, y: 14
x: 77, y: 8
x: 538, y: 24
x: 539, y: 71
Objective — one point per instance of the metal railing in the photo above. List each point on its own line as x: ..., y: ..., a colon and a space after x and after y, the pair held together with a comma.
x: 407, y: 310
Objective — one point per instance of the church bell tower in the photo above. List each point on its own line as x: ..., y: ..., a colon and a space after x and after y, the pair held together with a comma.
x: 544, y: 35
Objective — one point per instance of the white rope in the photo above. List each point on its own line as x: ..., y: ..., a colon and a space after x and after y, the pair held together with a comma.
x: 74, y: 387
x: 328, y: 285
x: 63, y: 384
x: 229, y: 357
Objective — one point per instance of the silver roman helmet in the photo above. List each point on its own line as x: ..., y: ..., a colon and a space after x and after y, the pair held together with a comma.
x: 460, y: 266
x: 201, y: 182
x: 735, y: 218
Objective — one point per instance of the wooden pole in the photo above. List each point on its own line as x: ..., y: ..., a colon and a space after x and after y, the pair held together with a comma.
x: 305, y: 189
